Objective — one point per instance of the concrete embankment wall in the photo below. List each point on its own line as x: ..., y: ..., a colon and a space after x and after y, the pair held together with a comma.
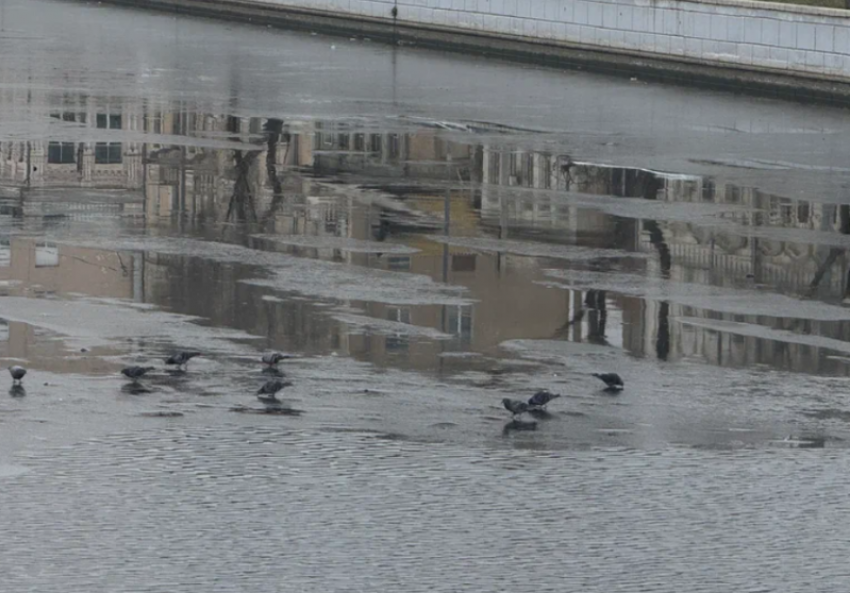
x: 781, y: 48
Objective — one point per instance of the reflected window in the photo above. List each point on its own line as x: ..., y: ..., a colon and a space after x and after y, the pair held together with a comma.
x: 108, y: 153
x: 169, y: 175
x: 493, y: 167
x: 375, y: 142
x: 459, y: 323
x: 397, y: 342
x: 153, y: 123
x: 5, y: 253
x: 70, y: 116
x: 4, y: 331
x: 463, y: 263
x: 803, y: 212
x: 733, y: 194
x: 46, y: 256
x: 61, y: 153
x: 400, y: 314
x: 398, y: 263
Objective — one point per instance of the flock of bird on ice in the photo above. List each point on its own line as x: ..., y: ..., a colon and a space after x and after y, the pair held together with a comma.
x: 538, y: 401
x: 267, y: 394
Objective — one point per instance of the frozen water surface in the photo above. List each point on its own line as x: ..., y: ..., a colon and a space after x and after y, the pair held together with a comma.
x: 428, y: 233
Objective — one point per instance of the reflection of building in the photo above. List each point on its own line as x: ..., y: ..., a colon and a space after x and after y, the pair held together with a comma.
x: 313, y: 207
x: 87, y: 149
x: 422, y: 155
x: 520, y: 191
x: 768, y: 248
x: 759, y: 239
x: 31, y: 265
x: 340, y: 180
x: 506, y: 168
x: 193, y: 181
x: 766, y: 243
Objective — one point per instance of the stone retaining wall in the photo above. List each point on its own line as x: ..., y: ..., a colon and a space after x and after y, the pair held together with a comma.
x: 787, y: 49
x: 804, y: 39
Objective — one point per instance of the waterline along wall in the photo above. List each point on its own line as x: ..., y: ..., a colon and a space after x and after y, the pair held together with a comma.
x: 784, y: 48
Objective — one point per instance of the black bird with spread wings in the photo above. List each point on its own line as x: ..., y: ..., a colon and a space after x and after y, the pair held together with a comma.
x: 181, y: 359
x: 612, y: 381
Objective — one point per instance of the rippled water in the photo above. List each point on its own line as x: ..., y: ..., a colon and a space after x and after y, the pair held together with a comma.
x: 275, y: 508
x: 429, y: 234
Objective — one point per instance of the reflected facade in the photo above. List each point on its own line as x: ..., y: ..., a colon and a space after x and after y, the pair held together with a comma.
x: 220, y: 177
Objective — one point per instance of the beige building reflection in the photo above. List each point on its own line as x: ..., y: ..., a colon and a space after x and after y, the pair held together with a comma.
x: 280, y: 179
x: 496, y: 282
x: 31, y: 267
x: 107, y: 162
x: 770, y: 248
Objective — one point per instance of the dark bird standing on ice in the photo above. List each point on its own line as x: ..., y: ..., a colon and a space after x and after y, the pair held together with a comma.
x: 17, y: 373
x: 135, y: 373
x: 272, y: 358
x: 268, y: 392
x: 541, y: 398
x: 515, y: 406
x: 612, y: 380
x: 181, y: 359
